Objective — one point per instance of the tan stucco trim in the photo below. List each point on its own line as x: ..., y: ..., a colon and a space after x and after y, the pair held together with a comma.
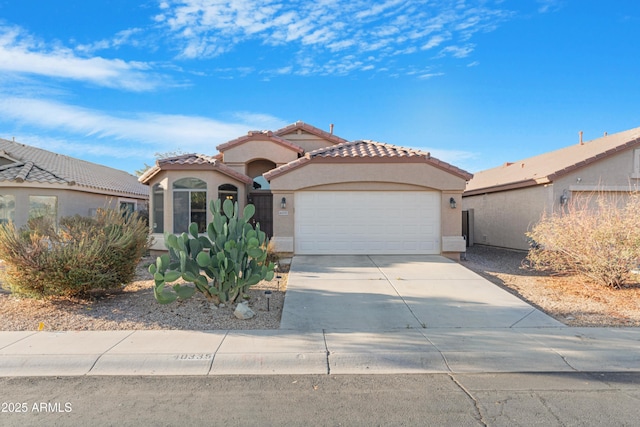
x: 260, y: 136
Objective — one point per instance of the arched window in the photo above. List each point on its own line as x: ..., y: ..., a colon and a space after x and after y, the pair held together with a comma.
x: 189, y: 204
x: 157, y: 216
x: 228, y: 191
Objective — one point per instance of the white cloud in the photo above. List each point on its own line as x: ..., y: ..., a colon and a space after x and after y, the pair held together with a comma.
x: 20, y: 54
x: 550, y: 5
x: 322, y: 28
x: 160, y: 132
x: 434, y: 41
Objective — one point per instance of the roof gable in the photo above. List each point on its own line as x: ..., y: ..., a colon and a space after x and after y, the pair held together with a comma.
x: 255, y: 135
x: 193, y: 162
x: 367, y: 151
x: 552, y: 165
x: 31, y: 164
x: 305, y: 127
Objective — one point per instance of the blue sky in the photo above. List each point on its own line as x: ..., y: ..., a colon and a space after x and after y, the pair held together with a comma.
x: 477, y: 82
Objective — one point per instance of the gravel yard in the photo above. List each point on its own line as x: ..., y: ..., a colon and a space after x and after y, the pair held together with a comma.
x: 569, y: 299
x: 135, y: 308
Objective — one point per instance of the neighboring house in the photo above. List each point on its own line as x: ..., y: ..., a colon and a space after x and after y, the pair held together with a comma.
x: 316, y: 193
x: 506, y: 201
x: 36, y: 182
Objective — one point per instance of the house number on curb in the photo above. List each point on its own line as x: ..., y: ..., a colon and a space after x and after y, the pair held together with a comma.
x: 195, y: 356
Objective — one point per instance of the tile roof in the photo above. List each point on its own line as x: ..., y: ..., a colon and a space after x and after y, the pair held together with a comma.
x: 367, y: 151
x: 41, y: 166
x: 193, y: 161
x: 257, y: 135
x: 549, y: 166
x: 309, y: 129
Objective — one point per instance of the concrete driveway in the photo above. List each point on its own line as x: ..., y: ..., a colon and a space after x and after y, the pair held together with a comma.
x: 387, y: 292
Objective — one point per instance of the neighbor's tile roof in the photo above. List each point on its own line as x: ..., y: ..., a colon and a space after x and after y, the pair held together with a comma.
x: 367, y: 151
x: 41, y: 166
x: 191, y: 162
x: 549, y: 166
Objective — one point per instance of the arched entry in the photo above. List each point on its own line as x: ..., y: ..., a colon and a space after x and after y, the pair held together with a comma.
x: 260, y: 194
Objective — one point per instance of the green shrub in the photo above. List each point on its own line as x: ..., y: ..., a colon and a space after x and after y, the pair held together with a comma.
x: 85, y: 254
x: 598, y: 237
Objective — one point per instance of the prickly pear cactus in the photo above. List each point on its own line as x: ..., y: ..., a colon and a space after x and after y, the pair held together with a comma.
x: 222, y: 264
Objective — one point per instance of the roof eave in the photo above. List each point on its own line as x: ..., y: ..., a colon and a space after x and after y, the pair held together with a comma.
x: 506, y: 187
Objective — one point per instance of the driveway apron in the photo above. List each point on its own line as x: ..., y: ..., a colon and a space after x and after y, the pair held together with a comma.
x: 388, y: 292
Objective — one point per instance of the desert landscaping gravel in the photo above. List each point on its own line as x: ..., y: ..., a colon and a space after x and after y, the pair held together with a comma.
x: 135, y: 308
x: 569, y: 299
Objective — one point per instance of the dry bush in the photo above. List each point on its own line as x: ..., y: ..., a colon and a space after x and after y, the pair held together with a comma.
x: 597, y: 236
x: 85, y: 254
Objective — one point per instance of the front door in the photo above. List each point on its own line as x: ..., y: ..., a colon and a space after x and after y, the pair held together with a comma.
x: 263, y: 201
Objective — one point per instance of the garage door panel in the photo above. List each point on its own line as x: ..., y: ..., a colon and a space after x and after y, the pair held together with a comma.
x: 367, y: 222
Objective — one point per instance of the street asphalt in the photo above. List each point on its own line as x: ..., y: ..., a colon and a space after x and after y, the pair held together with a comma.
x: 348, y: 315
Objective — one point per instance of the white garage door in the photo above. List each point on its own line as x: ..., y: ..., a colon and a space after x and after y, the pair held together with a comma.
x: 367, y: 222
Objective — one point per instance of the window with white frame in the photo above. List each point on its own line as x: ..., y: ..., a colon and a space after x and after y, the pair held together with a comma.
x: 189, y: 204
x: 157, y: 216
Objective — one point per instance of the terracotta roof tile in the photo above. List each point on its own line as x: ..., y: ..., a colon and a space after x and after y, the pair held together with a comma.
x: 547, y: 167
x: 37, y: 165
x: 368, y: 151
x: 194, y: 161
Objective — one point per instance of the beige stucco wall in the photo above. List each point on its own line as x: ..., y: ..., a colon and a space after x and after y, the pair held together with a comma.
x: 502, y: 218
x: 613, y: 174
x: 69, y: 201
x: 325, y: 173
x: 244, y: 153
x: 307, y: 141
x: 365, y: 177
x: 213, y: 179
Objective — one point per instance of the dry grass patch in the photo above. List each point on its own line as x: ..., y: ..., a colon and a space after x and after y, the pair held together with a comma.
x: 570, y: 299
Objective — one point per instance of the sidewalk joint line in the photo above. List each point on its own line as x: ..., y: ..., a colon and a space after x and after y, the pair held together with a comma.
x: 215, y: 353
x: 444, y: 358
x: 525, y: 316
x: 93, y: 365
x: 420, y: 322
x: 326, y: 347
x: 21, y: 339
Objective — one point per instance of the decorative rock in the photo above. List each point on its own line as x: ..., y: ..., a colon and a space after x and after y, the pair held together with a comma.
x: 243, y: 312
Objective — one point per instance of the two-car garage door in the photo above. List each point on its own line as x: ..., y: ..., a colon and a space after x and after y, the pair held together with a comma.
x: 367, y: 222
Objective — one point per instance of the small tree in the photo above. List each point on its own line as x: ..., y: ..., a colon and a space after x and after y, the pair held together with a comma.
x: 222, y: 264
x: 598, y: 238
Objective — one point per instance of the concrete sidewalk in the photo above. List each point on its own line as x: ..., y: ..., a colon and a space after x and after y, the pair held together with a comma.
x: 440, y: 350
x: 348, y: 315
